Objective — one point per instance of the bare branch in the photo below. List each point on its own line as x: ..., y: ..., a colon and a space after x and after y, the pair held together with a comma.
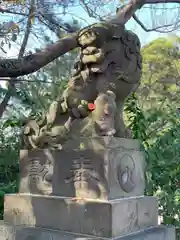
x: 54, y: 24
x: 55, y: 29
x: 90, y: 12
x: 156, y: 28
x: 126, y: 12
x: 2, y: 10
x: 43, y: 12
x: 46, y: 16
x: 160, y: 1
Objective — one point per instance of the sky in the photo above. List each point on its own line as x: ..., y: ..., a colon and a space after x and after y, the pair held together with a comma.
x: 145, y: 15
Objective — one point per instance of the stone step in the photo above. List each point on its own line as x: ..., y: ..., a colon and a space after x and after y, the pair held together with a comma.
x: 9, y: 232
x: 106, y: 219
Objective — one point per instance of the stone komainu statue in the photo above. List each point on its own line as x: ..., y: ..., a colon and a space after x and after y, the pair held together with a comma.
x: 107, y: 71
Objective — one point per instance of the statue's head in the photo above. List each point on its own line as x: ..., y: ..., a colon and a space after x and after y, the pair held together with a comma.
x: 104, y: 112
x: 106, y: 103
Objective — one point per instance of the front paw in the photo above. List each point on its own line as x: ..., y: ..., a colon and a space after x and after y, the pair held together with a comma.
x: 111, y: 132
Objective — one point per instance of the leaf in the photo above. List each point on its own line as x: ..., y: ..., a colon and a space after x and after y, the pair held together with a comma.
x: 12, y: 123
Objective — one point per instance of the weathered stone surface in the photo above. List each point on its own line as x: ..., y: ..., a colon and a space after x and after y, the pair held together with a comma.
x: 107, y: 71
x: 153, y: 233
x: 8, y: 232
x: 11, y: 232
x: 99, y: 168
x: 99, y: 218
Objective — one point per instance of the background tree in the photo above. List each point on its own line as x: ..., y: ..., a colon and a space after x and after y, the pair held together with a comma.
x: 152, y: 114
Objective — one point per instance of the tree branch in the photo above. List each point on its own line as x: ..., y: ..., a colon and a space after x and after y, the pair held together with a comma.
x: 44, y: 16
x: 33, y: 62
x: 53, y: 25
x: 45, y: 13
x: 2, y: 10
x: 161, y: 1
x: 126, y: 12
x: 152, y: 29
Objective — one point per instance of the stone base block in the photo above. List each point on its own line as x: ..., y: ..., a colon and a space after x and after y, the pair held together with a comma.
x: 100, y: 168
x: 98, y: 218
x: 11, y: 232
x: 8, y: 232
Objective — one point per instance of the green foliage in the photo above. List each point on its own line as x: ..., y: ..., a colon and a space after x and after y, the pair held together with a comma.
x: 160, y: 72
x: 9, y: 153
x: 152, y: 115
x: 163, y: 161
x: 136, y: 118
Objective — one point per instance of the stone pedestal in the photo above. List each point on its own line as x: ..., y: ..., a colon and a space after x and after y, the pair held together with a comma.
x: 99, y: 168
x: 11, y: 232
x: 92, y: 189
x: 99, y: 218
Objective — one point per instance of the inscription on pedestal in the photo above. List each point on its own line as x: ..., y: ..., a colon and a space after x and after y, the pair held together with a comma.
x: 83, y: 177
x: 103, y: 169
x: 80, y: 171
x: 36, y: 172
